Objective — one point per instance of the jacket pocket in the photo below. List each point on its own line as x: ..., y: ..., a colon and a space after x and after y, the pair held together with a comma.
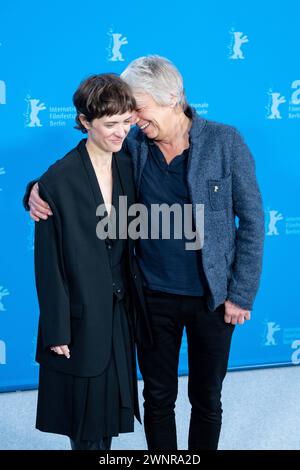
x: 220, y: 193
x: 76, y: 310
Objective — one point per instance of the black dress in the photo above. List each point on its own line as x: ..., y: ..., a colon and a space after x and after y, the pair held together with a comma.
x: 94, y: 407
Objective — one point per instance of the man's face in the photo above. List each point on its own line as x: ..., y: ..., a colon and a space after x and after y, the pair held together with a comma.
x: 153, y: 118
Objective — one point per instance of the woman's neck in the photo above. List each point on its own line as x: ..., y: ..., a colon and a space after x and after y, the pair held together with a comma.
x: 101, y: 159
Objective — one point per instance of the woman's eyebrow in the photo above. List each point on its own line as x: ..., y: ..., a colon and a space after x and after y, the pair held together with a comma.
x: 116, y: 122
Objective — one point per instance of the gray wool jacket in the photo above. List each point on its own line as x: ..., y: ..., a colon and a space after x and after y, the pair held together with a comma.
x: 221, y: 176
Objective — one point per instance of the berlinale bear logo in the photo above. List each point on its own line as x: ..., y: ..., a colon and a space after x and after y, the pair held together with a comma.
x: 3, y: 293
x: 2, y: 92
x: 2, y: 352
x: 275, y: 216
x: 118, y: 42
x: 2, y: 172
x: 32, y: 113
x: 239, y: 40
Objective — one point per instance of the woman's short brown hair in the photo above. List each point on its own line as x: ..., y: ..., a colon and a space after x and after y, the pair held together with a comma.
x: 102, y: 95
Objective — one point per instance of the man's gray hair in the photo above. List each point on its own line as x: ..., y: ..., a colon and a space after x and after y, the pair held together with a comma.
x: 158, y: 77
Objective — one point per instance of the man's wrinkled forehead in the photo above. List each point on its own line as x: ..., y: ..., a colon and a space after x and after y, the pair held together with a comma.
x: 141, y: 99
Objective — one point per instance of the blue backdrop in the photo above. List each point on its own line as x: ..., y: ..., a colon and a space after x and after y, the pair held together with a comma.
x: 240, y: 64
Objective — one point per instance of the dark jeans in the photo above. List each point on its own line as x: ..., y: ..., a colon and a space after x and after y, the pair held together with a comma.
x: 209, y: 339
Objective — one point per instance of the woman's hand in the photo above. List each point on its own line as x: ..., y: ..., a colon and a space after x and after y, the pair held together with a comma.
x: 39, y: 209
x: 61, y: 350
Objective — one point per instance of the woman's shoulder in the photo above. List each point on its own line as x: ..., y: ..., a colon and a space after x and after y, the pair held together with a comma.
x: 61, y: 168
x: 60, y: 175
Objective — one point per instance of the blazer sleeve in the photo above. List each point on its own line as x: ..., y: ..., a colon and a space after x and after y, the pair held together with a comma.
x: 247, y: 203
x: 51, y: 279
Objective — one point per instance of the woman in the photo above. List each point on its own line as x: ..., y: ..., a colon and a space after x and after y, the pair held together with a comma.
x: 87, y: 385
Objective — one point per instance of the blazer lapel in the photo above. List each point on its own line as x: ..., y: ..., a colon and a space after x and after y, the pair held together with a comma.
x: 128, y: 187
x: 91, y: 173
x: 142, y: 159
x: 126, y: 177
x: 96, y: 192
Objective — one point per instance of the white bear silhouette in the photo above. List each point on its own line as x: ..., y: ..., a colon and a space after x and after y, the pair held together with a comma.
x: 275, y: 216
x: 239, y: 40
x: 35, y: 109
x: 276, y: 101
x: 3, y: 293
x: 2, y: 172
x: 118, y: 43
x: 2, y: 352
x: 272, y: 328
x: 2, y: 92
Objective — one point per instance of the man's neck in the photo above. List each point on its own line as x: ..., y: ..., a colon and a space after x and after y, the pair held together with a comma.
x: 178, y: 140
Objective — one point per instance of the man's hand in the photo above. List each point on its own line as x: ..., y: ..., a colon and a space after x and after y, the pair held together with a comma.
x: 235, y: 314
x: 61, y: 350
x: 39, y: 209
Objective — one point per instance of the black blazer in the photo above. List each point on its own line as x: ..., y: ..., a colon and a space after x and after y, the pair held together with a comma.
x: 73, y: 276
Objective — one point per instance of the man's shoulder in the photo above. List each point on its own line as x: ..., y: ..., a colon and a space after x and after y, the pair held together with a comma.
x: 221, y: 126
x: 218, y: 128
x: 135, y: 134
x: 134, y: 139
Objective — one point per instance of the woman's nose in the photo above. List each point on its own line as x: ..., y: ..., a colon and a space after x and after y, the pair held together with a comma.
x: 121, y: 131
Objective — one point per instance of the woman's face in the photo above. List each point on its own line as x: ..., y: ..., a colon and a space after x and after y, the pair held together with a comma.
x: 108, y: 132
x: 154, y: 119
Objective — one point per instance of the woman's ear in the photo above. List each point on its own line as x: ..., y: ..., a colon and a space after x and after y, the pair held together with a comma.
x: 82, y: 118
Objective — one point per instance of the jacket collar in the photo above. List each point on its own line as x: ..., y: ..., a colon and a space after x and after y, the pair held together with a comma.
x: 198, y: 124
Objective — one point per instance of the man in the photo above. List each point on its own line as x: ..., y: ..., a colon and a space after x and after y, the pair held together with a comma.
x: 180, y: 158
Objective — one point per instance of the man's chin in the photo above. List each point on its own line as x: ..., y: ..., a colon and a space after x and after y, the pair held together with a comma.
x: 150, y: 132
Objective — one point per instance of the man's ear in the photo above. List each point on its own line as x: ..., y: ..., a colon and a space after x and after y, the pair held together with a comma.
x: 173, y: 103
